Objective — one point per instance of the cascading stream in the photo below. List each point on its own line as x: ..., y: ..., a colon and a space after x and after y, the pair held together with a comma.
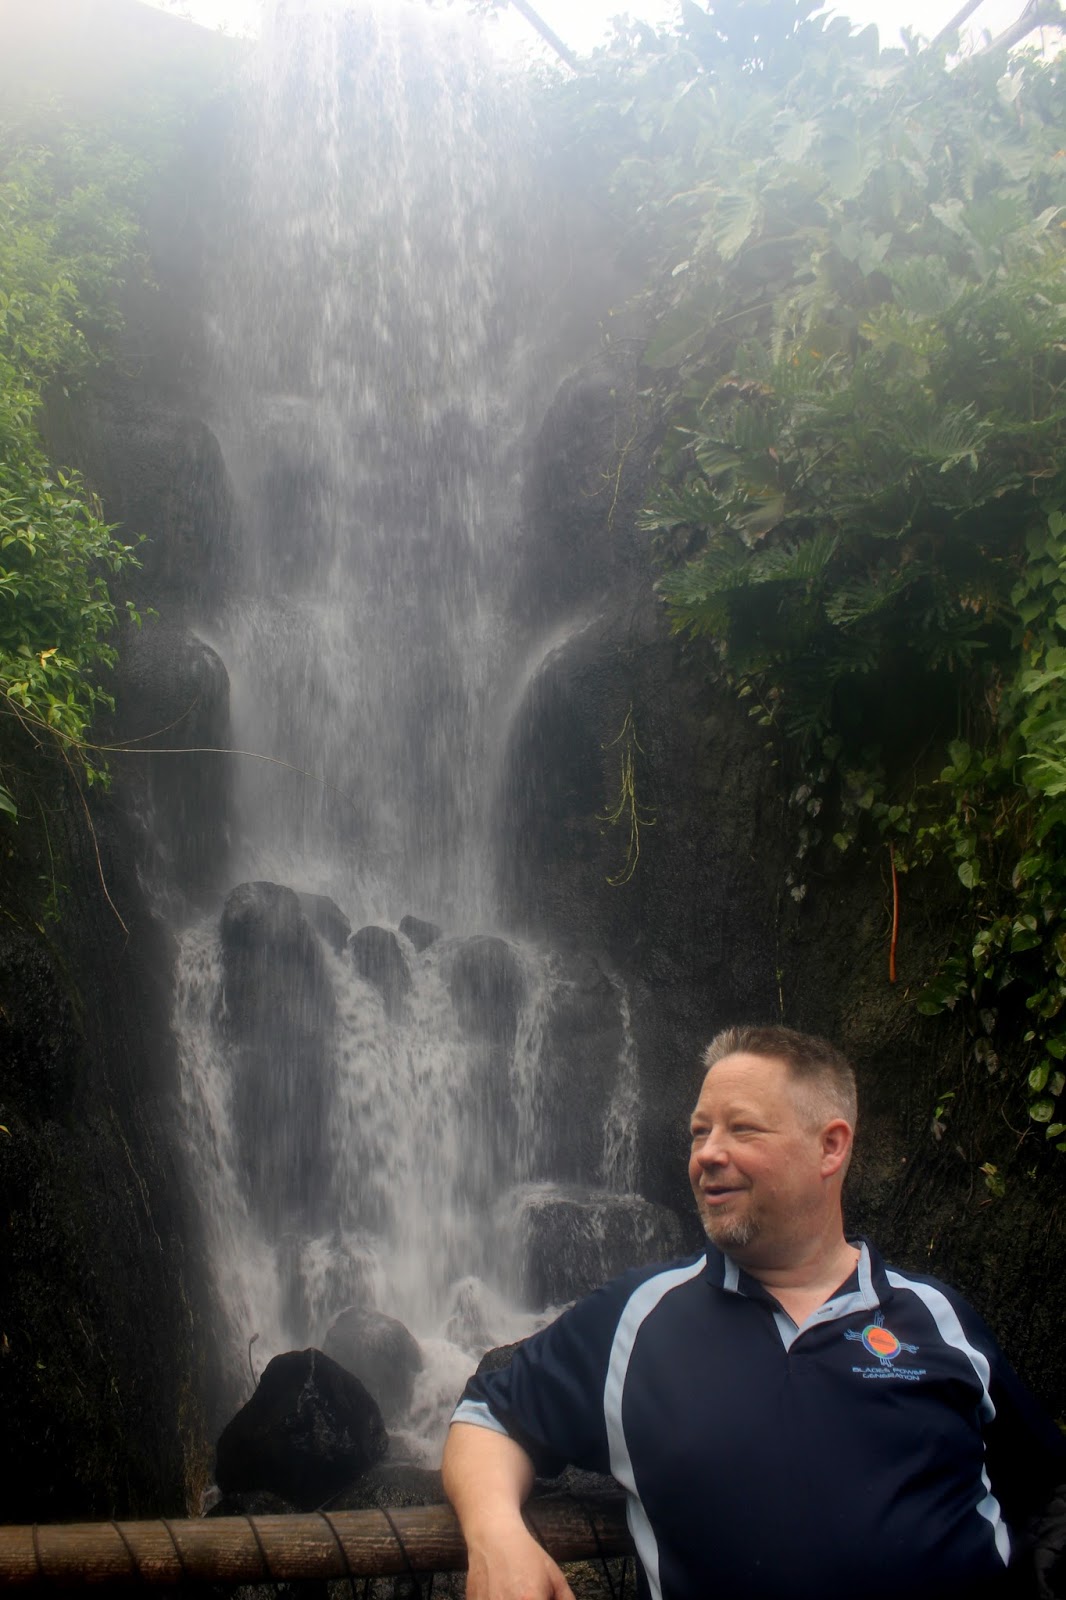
x: 360, y: 1113
x: 371, y: 414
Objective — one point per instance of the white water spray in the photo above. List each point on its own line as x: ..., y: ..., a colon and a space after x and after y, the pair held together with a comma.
x: 376, y: 302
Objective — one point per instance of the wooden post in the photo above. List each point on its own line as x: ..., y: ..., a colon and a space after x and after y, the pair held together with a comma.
x: 318, y: 1544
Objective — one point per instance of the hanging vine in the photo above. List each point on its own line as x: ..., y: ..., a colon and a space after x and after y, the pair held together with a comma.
x: 627, y: 813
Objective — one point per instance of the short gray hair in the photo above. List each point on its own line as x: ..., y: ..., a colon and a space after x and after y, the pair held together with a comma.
x: 814, y: 1064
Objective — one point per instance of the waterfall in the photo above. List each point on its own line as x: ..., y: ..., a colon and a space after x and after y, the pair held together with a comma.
x: 397, y: 1120
x: 619, y: 1166
x: 375, y: 314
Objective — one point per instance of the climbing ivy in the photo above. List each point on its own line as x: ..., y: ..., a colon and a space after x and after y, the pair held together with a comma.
x: 857, y: 303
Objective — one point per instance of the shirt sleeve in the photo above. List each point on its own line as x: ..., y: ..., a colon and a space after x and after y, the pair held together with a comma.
x: 550, y: 1398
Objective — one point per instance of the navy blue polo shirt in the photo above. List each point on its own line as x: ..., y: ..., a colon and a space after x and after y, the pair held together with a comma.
x: 883, y: 1448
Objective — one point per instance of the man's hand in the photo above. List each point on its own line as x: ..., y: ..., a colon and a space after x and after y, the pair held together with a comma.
x: 487, y: 1476
x: 511, y: 1565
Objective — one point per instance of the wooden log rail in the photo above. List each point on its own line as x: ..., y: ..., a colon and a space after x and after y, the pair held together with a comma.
x: 318, y: 1544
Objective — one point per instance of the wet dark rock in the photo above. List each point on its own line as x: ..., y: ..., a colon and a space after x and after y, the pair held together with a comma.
x: 569, y: 1240
x: 421, y: 934
x: 327, y: 918
x: 380, y: 1352
x: 585, y: 1025
x: 251, y: 1503
x: 277, y: 1012
x: 392, y: 1484
x: 263, y: 917
x: 309, y: 1430
x: 94, y: 1248
x: 159, y: 470
x: 487, y: 988
x: 172, y: 693
x: 377, y: 957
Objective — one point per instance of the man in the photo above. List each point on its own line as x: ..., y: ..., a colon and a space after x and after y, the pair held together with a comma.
x: 788, y: 1417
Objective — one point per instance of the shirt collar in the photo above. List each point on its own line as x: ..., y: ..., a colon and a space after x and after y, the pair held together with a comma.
x: 865, y: 1289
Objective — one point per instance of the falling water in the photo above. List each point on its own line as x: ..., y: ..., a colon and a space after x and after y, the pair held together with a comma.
x: 377, y: 304
x: 375, y: 385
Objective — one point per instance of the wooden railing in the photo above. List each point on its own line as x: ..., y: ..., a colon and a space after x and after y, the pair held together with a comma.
x: 337, y: 1544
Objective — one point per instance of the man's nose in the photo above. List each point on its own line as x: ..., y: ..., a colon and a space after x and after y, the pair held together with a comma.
x: 710, y: 1151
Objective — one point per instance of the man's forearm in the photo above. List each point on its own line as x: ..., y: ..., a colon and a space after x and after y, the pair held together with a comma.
x: 487, y: 1476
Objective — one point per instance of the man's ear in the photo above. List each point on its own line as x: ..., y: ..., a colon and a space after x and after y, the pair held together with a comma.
x: 836, y: 1146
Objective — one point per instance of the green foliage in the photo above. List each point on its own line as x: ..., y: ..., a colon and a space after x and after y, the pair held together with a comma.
x: 68, y: 237
x: 859, y: 356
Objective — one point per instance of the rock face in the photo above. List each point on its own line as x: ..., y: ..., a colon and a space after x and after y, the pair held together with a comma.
x: 98, y: 1237
x: 309, y: 1430
x: 159, y: 470
x: 568, y: 1241
x: 327, y: 918
x: 172, y: 695
x: 277, y: 1012
x: 381, y: 1353
x: 487, y: 988
x: 377, y: 957
x: 706, y: 932
x: 421, y: 934
x: 581, y: 1046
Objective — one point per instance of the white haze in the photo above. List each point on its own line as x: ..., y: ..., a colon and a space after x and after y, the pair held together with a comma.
x: 583, y: 24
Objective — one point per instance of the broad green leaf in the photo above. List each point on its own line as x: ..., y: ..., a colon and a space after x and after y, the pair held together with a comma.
x: 735, y: 216
x: 1039, y: 1076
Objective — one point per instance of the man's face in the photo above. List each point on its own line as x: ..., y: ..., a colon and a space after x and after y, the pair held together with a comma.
x: 756, y: 1164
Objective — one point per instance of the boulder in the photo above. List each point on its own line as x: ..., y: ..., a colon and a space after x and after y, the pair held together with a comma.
x: 378, y: 957
x: 318, y: 1277
x: 276, y: 1013
x: 327, y: 918
x: 380, y: 1352
x: 487, y: 988
x: 272, y: 967
x: 309, y: 1430
x: 250, y: 1503
x: 421, y: 934
x: 568, y: 1240
x: 392, y: 1484
x: 172, y: 695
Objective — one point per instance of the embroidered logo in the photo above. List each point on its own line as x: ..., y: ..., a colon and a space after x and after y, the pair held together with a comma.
x: 882, y: 1343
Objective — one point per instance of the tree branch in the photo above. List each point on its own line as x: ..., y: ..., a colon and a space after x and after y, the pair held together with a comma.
x: 1037, y: 14
x: 549, y: 36
x: 957, y: 21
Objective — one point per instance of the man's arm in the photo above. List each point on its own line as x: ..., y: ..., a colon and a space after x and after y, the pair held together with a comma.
x: 487, y: 1476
